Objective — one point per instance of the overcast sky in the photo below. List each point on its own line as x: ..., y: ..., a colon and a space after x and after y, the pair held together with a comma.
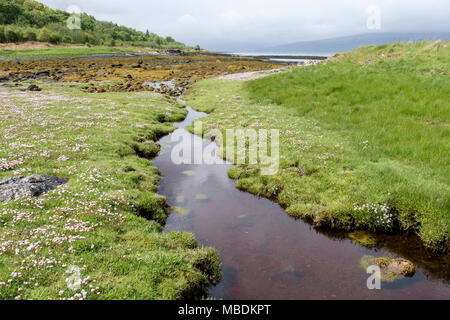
x: 252, y: 24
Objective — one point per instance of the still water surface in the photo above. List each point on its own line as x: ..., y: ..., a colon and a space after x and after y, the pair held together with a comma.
x: 267, y: 254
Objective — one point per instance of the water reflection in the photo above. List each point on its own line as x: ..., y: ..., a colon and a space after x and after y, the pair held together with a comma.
x: 268, y: 255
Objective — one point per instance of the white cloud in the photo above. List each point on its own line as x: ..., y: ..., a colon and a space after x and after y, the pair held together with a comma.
x: 187, y: 19
x: 231, y: 16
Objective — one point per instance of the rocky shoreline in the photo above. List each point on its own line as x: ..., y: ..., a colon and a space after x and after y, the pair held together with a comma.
x: 130, y: 73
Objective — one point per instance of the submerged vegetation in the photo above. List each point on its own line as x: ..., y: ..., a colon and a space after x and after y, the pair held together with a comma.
x: 364, y: 138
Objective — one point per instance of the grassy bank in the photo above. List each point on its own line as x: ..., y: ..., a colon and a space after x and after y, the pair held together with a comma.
x: 65, y: 53
x: 364, y: 138
x: 104, y: 227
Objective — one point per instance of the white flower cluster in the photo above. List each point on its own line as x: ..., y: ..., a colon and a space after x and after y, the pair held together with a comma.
x: 379, y: 212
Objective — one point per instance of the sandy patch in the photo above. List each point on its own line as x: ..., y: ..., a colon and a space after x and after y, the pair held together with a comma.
x: 246, y: 76
x: 32, y: 45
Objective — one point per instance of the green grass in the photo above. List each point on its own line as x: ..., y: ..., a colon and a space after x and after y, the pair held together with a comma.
x: 369, y: 128
x: 107, y: 220
x: 64, y: 53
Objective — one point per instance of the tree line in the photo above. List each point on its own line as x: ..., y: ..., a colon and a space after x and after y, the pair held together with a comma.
x: 29, y: 20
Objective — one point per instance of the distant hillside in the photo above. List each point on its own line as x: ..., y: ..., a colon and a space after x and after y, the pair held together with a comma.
x: 343, y: 44
x: 29, y: 20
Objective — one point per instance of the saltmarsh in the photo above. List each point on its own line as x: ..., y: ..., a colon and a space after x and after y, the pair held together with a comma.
x: 68, y: 52
x: 364, y: 138
x: 99, y: 236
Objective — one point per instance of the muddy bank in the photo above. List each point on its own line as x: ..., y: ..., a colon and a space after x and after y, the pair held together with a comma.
x: 125, y: 74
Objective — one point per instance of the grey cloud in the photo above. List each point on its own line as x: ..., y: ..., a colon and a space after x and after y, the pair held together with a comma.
x: 238, y: 24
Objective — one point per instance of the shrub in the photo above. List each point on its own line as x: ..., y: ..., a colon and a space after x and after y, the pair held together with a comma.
x: 30, y: 35
x: 67, y: 39
x: 77, y: 36
x: 88, y: 39
x: 44, y: 35
x: 12, y: 35
x: 55, y: 38
x: 2, y: 34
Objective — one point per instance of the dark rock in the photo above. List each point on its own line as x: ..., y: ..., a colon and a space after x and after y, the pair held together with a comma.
x: 42, y: 73
x: 33, y: 186
x: 137, y: 65
x: 175, y: 52
x: 15, y: 85
x: 33, y: 87
x: 26, y: 76
x: 4, y: 78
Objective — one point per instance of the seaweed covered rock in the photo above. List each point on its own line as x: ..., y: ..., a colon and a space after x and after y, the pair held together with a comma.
x: 402, y: 266
x: 391, y: 269
x: 33, y: 87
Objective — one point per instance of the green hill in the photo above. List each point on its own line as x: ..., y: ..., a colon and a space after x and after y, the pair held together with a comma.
x: 29, y: 20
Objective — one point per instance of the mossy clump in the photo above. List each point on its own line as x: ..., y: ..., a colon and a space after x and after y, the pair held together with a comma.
x: 382, y: 262
x: 147, y: 149
x: 149, y: 205
x: 403, y: 266
x: 208, y: 261
x: 187, y: 240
